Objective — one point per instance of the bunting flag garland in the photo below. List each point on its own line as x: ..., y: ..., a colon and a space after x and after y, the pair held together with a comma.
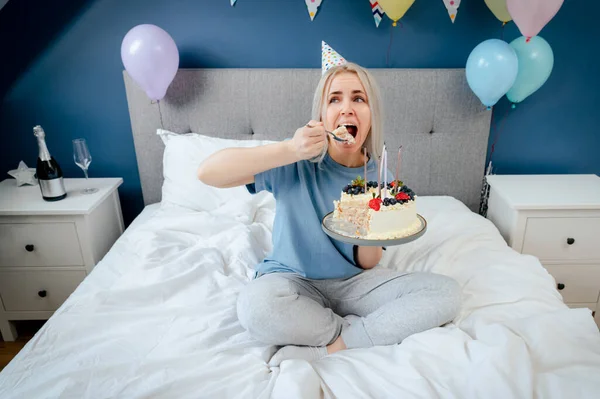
x: 312, y: 6
x: 376, y: 9
x: 452, y: 7
x: 377, y: 12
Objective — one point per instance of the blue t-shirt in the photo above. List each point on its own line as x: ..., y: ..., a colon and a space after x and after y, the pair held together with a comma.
x: 304, y: 194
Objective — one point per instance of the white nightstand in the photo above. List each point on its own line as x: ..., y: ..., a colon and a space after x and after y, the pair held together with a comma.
x: 557, y: 219
x: 48, y: 248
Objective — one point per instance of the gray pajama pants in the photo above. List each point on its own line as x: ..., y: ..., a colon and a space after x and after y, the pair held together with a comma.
x: 376, y: 307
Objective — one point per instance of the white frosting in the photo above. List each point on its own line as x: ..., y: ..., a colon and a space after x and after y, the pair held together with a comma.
x: 393, y: 221
x: 343, y: 134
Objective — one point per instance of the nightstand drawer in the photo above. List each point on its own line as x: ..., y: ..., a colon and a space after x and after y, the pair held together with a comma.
x: 37, y: 290
x: 577, y: 284
x: 568, y: 238
x: 40, y: 244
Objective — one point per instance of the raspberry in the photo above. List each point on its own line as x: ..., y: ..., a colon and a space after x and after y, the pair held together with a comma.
x: 375, y: 204
x: 402, y: 196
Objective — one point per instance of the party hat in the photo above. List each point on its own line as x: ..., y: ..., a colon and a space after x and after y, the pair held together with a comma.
x: 312, y: 6
x: 233, y: 2
x: 330, y: 57
x: 452, y: 7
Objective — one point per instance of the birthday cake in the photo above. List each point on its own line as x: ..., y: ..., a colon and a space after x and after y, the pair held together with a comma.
x: 385, y: 212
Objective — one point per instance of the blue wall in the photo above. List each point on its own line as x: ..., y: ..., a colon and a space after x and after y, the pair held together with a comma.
x: 65, y: 72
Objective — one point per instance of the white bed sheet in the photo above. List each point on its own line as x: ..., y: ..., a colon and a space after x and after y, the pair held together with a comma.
x: 156, y: 318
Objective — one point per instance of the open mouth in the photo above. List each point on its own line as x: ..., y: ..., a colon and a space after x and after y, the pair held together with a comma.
x: 352, y: 129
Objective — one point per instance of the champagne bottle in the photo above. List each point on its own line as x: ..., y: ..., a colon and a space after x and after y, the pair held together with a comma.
x: 49, y: 174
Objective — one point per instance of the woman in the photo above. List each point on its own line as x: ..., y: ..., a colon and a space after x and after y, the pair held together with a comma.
x: 312, y: 294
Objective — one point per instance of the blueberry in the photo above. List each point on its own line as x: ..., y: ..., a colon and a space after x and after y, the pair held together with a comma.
x: 393, y: 201
x: 346, y: 189
x: 386, y: 202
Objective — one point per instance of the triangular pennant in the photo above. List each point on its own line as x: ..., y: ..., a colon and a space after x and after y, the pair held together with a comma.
x: 377, y: 12
x: 329, y: 57
x: 312, y: 6
x: 452, y: 7
x: 232, y: 2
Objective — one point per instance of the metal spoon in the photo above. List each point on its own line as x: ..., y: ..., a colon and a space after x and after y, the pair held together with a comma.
x: 332, y: 135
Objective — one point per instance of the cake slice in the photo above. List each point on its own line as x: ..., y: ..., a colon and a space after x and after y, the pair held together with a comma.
x: 343, y: 133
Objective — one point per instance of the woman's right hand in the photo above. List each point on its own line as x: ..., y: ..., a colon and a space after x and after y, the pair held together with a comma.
x: 309, y: 140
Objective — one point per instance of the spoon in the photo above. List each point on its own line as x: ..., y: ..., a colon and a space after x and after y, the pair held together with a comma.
x: 332, y: 135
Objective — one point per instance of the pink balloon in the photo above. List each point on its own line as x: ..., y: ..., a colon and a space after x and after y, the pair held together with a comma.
x: 531, y: 16
x: 151, y: 58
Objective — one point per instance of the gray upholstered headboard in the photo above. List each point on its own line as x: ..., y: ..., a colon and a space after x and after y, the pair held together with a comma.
x: 441, y: 125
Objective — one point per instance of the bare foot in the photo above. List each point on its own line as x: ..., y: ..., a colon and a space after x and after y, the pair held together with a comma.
x: 336, y: 346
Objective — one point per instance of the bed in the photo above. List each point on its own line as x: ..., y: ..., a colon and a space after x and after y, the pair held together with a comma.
x: 156, y: 317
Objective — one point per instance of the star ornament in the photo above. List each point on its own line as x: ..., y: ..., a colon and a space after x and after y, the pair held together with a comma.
x: 24, y: 175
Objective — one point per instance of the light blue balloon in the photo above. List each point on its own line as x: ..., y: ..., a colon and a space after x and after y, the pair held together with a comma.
x: 536, y: 61
x: 491, y: 70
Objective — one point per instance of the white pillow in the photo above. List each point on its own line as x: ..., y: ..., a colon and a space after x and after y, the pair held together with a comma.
x: 182, y: 156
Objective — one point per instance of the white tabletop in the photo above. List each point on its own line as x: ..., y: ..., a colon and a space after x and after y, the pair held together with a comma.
x: 548, y: 191
x: 27, y: 200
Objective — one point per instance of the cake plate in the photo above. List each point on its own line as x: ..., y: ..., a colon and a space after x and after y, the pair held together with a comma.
x: 346, y: 232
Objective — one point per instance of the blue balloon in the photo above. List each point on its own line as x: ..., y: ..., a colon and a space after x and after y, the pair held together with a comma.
x: 536, y: 61
x: 491, y: 70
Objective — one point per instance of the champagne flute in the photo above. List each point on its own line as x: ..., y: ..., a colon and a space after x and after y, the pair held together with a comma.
x: 83, y: 159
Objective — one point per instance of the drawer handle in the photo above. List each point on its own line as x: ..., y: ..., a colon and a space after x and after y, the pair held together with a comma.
x: 560, y: 286
x: 29, y: 247
x: 570, y: 241
x: 42, y: 293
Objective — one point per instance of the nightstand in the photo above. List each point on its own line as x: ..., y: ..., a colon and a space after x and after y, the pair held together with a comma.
x: 48, y: 248
x: 555, y: 218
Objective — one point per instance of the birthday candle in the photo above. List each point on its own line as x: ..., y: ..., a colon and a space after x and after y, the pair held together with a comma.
x: 365, y: 176
x: 385, y: 173
x: 398, y: 166
x: 379, y: 175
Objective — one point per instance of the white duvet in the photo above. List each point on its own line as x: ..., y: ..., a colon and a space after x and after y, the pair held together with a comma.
x: 157, y: 319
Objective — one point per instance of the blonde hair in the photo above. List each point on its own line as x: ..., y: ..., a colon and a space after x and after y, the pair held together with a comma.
x: 375, y: 138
